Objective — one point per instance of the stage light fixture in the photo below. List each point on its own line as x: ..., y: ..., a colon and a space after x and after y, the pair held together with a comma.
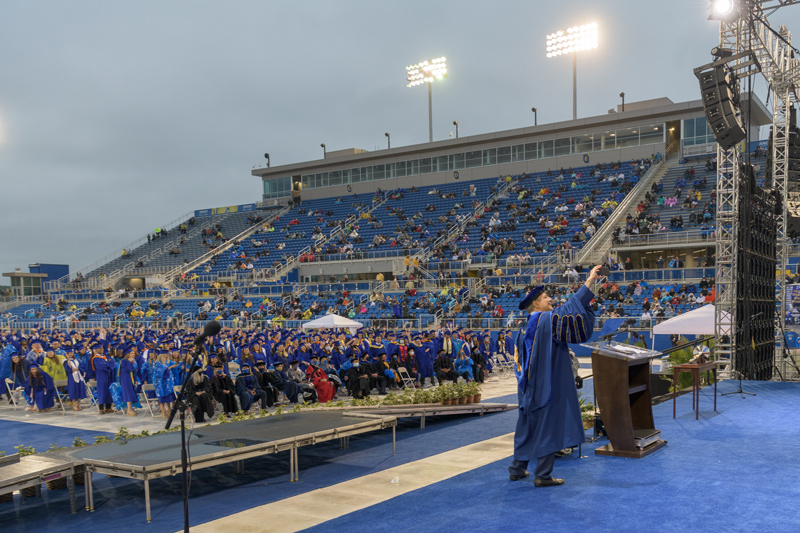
x: 725, y: 10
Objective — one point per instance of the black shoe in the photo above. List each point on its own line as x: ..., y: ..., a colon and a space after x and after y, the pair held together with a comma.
x: 517, y: 477
x: 547, y: 482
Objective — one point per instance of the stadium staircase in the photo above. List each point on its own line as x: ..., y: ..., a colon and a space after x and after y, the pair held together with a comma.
x: 597, y: 249
x: 171, y: 275
x: 294, y: 260
x: 456, y: 231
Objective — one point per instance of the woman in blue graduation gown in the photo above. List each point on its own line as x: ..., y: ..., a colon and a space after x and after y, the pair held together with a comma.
x: 163, y: 382
x: 40, y: 390
x: 76, y: 386
x: 128, y: 378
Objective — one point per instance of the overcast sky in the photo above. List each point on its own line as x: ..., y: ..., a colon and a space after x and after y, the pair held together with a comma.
x: 119, y: 116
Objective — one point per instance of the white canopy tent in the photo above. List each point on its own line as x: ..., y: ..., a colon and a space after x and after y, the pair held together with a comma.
x: 697, y: 322
x: 333, y: 321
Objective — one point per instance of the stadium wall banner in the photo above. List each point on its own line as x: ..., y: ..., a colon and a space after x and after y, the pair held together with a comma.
x: 244, y: 208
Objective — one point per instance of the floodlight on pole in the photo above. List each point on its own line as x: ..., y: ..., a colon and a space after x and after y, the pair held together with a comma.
x: 571, y: 41
x: 388, y: 140
x: 324, y: 151
x: 427, y: 72
x: 535, y: 116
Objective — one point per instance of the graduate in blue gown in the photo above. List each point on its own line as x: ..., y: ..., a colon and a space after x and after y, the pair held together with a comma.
x: 463, y: 365
x: 164, y: 381
x: 549, y: 414
x: 103, y: 367
x: 40, y: 390
x: 129, y: 379
x: 76, y: 386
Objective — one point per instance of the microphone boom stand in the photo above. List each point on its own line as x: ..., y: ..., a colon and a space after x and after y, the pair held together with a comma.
x: 181, y: 404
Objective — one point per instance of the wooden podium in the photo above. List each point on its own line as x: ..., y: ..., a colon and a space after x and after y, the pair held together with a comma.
x: 622, y: 386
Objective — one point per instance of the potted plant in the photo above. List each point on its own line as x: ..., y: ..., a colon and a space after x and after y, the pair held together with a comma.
x: 476, y: 392
x: 443, y: 394
x: 461, y: 392
x: 587, y: 413
x: 472, y: 391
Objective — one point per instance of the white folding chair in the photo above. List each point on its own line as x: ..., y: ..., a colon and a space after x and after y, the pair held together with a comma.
x: 16, y: 395
x: 177, y: 390
x: 147, y: 387
x: 405, y: 377
x: 503, y: 362
x: 61, y: 397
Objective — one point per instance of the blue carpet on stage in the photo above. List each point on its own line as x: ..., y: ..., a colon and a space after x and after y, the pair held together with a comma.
x: 733, y: 470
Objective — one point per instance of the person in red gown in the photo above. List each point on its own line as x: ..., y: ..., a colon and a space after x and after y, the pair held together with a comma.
x: 319, y: 379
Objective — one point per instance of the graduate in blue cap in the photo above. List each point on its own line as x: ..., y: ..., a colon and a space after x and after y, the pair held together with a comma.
x: 549, y: 414
x: 76, y: 386
x: 103, y: 368
x: 128, y: 379
x: 40, y: 390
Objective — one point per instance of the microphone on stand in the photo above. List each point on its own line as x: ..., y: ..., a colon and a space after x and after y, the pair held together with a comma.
x: 210, y: 330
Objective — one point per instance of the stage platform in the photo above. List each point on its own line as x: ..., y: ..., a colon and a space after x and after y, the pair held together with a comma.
x: 157, y: 456
x: 18, y: 473
x: 423, y: 411
x: 160, y: 455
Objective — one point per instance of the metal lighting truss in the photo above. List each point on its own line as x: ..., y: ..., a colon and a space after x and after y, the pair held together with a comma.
x: 781, y: 70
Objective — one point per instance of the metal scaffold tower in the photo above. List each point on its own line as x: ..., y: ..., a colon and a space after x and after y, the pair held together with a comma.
x: 780, y: 66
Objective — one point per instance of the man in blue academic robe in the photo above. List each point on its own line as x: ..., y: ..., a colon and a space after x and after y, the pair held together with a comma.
x: 549, y: 414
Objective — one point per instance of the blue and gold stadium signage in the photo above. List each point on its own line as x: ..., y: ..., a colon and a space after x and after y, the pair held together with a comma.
x: 456, y: 175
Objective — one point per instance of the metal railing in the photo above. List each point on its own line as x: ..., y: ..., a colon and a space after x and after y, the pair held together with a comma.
x: 666, y: 238
x: 118, y: 252
x: 238, y: 238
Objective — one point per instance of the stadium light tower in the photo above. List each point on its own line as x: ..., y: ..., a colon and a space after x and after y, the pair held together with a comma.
x: 571, y: 41
x: 427, y: 72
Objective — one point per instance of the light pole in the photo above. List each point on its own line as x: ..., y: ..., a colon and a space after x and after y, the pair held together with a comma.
x: 388, y: 141
x: 455, y: 123
x: 266, y: 156
x: 622, y: 95
x: 535, y: 117
x: 571, y: 41
x: 427, y: 72
x: 324, y: 151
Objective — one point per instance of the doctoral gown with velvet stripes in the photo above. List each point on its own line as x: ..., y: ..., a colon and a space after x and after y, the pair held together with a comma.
x: 549, y: 413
